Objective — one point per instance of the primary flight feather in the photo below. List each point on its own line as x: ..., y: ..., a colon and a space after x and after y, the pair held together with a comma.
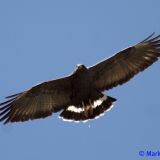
x: 79, y: 96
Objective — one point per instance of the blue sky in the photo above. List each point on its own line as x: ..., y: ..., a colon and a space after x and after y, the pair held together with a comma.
x: 42, y: 40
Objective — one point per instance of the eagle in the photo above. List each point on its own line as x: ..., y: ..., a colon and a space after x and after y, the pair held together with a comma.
x: 80, y: 96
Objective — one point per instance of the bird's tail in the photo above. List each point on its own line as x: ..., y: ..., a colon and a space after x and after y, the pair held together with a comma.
x: 83, y: 112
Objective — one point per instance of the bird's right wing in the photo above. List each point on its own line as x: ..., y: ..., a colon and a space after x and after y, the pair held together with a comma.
x: 121, y: 67
x: 38, y: 102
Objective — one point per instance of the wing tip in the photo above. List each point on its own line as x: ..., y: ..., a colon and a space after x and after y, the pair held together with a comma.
x: 6, y: 106
x: 151, y: 37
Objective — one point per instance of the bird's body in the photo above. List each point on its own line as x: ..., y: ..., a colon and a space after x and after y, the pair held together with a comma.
x: 79, y: 96
x: 84, y: 97
x: 82, y: 78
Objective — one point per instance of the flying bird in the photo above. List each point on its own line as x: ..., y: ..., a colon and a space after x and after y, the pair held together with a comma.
x: 79, y: 96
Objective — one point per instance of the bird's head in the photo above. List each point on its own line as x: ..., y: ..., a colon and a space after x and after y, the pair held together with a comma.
x: 81, y: 67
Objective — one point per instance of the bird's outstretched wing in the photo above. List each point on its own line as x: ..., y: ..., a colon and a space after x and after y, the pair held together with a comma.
x: 121, y: 67
x: 38, y: 102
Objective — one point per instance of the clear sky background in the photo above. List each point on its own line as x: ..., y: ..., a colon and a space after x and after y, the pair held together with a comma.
x: 45, y: 39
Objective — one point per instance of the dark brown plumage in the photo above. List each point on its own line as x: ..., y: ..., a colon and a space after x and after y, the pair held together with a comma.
x: 79, y: 95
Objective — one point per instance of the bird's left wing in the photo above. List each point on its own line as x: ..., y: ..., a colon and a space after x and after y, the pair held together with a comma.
x: 38, y: 102
x: 121, y: 67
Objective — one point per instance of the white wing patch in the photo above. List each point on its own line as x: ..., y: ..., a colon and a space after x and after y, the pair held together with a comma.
x: 99, y: 101
x: 83, y: 108
x: 94, y: 105
x: 75, y: 109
